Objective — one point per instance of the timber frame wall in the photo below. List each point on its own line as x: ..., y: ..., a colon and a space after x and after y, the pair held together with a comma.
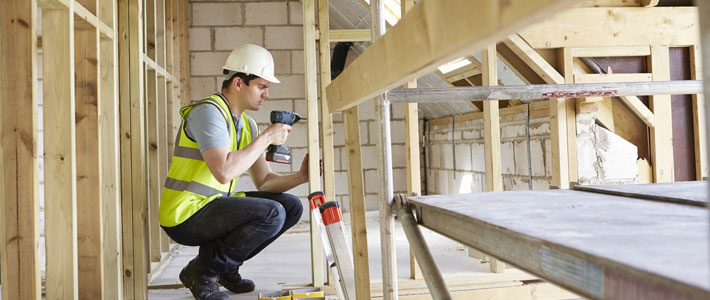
x: 112, y: 83
x: 388, y: 64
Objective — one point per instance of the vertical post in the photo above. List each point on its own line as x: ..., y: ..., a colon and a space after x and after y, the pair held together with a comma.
x: 19, y: 211
x: 567, y: 63
x: 662, y: 133
x: 356, y: 190
x: 309, y: 57
x: 704, y: 10
x: 110, y: 173
x: 184, y: 54
x: 60, y: 153
x: 389, y: 258
x: 696, y: 73
x: 326, y: 117
x: 491, y: 127
x: 411, y: 121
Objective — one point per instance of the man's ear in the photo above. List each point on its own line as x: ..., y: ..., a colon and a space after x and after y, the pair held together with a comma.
x: 237, y: 83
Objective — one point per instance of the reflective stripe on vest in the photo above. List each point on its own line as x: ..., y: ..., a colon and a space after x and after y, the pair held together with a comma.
x: 190, y: 184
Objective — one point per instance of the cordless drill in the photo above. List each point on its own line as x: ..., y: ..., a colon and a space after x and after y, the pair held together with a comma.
x: 278, y: 153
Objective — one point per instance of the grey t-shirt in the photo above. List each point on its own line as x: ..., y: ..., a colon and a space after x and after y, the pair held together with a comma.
x: 206, y: 126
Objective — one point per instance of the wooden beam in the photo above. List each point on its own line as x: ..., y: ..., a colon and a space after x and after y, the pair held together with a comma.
x: 413, y: 169
x: 704, y: 9
x: 632, y: 102
x: 567, y: 63
x: 184, y: 54
x: 611, y: 51
x: 309, y: 58
x: 88, y: 168
x: 601, y: 27
x: 356, y: 192
x: 699, y: 120
x: 662, y: 133
x: 533, y: 59
x: 491, y: 129
x: 326, y: 117
x: 349, y: 35
x: 444, y: 43
x: 611, y: 3
x: 154, y: 184
x: 19, y: 211
x: 110, y: 172
x: 60, y: 154
x: 133, y: 146
x: 558, y: 140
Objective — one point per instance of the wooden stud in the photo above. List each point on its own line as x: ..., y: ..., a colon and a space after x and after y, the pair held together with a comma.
x: 133, y: 163
x: 88, y: 168
x: 533, y: 59
x: 110, y: 173
x: 611, y: 51
x: 701, y: 160
x: 662, y: 133
x: 413, y: 169
x: 491, y: 129
x: 704, y: 48
x: 567, y: 63
x: 558, y: 141
x: 326, y: 117
x: 599, y: 27
x: 154, y: 184
x: 349, y: 35
x: 500, y: 18
x: 19, y: 232
x: 184, y: 55
x: 309, y: 57
x: 60, y: 154
x: 356, y: 192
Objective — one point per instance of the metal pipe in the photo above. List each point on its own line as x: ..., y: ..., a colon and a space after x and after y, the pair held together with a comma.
x: 432, y: 275
x: 535, y: 92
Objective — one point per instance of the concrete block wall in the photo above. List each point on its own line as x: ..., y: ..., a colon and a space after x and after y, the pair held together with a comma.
x: 455, y: 159
x: 604, y: 157
x: 216, y: 27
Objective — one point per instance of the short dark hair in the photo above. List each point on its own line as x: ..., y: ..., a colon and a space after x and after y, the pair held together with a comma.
x: 245, y: 77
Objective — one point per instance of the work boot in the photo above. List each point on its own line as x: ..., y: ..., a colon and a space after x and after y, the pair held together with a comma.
x: 235, y: 283
x: 203, y: 287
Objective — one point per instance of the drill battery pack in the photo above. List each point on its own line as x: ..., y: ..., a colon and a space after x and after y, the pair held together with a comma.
x: 279, y: 154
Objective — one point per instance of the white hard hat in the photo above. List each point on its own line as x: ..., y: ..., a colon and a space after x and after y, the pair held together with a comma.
x: 251, y: 59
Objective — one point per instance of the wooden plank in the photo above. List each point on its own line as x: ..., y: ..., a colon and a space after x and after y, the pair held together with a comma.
x: 699, y: 121
x: 693, y: 193
x: 444, y: 43
x: 60, y: 154
x: 133, y: 166
x: 611, y: 51
x: 558, y: 141
x: 516, y: 64
x: 413, y: 168
x: 601, y: 27
x: 567, y: 63
x: 533, y: 59
x: 110, y: 172
x: 88, y: 168
x: 349, y: 35
x: 662, y: 133
x: 154, y: 183
x: 704, y: 8
x: 20, y: 261
x: 162, y: 153
x: 620, y: 77
x: 326, y: 117
x: 311, y: 90
x: 150, y: 43
x: 160, y: 32
x: 184, y: 54
x: 491, y: 129
x: 356, y: 192
x: 506, y: 223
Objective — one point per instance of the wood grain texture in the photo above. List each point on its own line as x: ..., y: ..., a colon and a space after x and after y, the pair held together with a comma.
x: 60, y: 154
x: 391, y: 62
x: 661, y: 134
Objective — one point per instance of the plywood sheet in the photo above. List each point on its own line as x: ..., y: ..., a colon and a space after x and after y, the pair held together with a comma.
x: 687, y: 192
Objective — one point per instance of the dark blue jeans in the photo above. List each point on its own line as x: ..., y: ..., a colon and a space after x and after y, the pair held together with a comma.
x: 231, y: 230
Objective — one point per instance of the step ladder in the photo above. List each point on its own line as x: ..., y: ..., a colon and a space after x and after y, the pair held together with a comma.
x: 335, y: 244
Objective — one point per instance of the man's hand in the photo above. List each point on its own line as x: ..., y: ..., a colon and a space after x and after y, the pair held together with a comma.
x: 277, y: 133
x: 303, y: 172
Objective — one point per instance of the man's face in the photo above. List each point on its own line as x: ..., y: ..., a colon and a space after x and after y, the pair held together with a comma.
x: 255, y: 93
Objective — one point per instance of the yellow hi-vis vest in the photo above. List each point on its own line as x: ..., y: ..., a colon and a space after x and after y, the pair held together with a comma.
x: 190, y: 184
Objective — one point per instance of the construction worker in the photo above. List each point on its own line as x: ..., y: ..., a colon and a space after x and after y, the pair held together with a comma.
x: 217, y: 143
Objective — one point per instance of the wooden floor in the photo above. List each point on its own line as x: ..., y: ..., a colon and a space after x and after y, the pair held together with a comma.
x: 598, y: 245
